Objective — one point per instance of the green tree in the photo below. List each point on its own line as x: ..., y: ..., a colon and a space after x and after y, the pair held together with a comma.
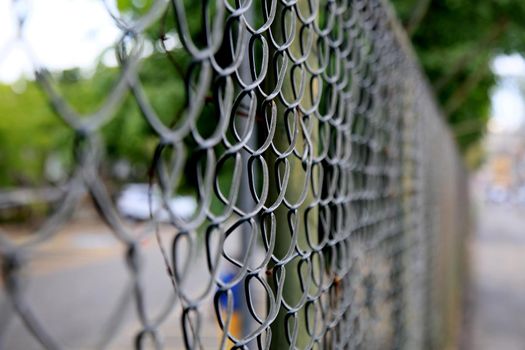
x: 456, y: 41
x: 31, y: 132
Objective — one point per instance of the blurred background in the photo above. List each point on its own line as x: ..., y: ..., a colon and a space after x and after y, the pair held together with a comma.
x: 470, y: 51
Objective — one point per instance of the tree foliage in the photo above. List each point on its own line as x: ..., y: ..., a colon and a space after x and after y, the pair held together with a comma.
x: 31, y: 133
x: 456, y: 41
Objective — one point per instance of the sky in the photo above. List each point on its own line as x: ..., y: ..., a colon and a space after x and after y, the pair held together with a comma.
x: 508, y: 107
x: 60, y: 34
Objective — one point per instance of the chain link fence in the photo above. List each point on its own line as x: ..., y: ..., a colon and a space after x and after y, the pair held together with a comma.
x: 331, y: 204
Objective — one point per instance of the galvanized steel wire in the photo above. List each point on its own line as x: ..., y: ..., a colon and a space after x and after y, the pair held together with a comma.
x: 341, y: 173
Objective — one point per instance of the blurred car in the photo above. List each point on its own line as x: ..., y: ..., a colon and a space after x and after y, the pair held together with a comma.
x: 134, y: 203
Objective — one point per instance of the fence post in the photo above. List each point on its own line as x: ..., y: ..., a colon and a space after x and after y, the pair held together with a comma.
x: 291, y: 223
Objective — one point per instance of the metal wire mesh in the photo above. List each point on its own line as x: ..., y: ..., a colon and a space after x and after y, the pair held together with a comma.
x: 328, y: 188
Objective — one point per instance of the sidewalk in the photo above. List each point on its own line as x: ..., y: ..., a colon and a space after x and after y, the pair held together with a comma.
x: 497, y: 317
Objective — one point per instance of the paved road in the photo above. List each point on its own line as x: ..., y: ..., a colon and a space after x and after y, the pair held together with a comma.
x: 82, y: 276
x: 77, y: 284
x: 497, y: 320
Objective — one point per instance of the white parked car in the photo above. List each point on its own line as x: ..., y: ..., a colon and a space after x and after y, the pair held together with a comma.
x: 134, y: 203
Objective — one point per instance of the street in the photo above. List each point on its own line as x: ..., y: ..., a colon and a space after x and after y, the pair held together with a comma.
x: 80, y: 277
x: 77, y: 282
x: 497, y: 296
